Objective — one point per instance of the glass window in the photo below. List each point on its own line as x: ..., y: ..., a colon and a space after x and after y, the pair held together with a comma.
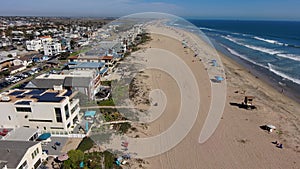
x: 67, y: 111
x: 58, y: 115
x: 23, y: 109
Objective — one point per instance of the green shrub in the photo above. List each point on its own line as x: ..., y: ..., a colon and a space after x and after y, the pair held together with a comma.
x: 86, y: 144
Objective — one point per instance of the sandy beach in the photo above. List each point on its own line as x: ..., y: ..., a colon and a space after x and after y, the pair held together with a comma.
x: 177, y: 135
x: 238, y: 141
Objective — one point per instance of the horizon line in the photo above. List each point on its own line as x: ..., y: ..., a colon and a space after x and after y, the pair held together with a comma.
x: 184, y: 17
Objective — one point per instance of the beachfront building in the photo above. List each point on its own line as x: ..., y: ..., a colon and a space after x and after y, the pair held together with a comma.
x: 34, y: 45
x: 84, y: 81
x: 112, y: 47
x: 52, y: 48
x: 55, y: 111
x: 102, y: 49
x: 107, y: 60
x: 21, y: 154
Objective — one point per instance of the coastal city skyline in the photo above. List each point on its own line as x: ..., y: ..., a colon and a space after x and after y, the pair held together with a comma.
x: 203, y: 9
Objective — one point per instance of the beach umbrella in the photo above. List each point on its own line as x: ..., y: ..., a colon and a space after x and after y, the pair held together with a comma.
x: 63, y: 157
x: 44, y: 136
x: 219, y: 78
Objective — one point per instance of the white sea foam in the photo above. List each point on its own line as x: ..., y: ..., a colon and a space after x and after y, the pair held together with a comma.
x: 265, y: 50
x: 272, y: 68
x: 262, y: 49
x: 209, y: 29
x: 257, y: 48
x: 270, y: 41
x: 243, y: 57
x: 289, y: 56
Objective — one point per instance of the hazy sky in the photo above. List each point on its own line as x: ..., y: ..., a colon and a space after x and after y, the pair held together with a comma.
x: 216, y: 9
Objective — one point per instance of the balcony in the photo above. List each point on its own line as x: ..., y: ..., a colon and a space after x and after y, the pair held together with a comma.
x: 75, y: 110
x: 73, y: 103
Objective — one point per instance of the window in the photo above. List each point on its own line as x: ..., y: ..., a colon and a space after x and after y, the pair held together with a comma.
x: 37, y: 164
x: 24, y: 165
x: 67, y: 111
x: 23, y: 109
x: 9, y: 118
x: 40, y: 120
x: 57, y: 128
x: 74, y: 108
x: 58, y: 115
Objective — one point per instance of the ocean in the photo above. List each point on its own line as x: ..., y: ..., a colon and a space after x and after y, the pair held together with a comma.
x: 269, y: 49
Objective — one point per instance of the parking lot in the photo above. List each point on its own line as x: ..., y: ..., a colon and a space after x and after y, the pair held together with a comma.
x: 14, y: 79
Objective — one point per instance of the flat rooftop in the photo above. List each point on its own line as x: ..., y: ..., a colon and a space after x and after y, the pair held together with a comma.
x: 21, y: 134
x: 25, y: 97
x: 90, y: 65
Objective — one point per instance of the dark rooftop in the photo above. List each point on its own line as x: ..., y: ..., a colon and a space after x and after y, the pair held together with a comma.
x: 35, y: 92
x: 49, y: 97
x: 15, y: 93
x: 23, y: 102
x: 44, y: 83
x: 68, y: 93
x: 13, y: 151
x: 38, y: 95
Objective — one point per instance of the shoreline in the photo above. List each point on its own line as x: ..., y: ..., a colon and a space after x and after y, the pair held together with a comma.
x: 259, y: 78
x: 273, y: 108
x: 267, y: 77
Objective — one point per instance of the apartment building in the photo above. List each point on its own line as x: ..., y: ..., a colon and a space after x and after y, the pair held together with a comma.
x: 52, y: 48
x: 34, y: 45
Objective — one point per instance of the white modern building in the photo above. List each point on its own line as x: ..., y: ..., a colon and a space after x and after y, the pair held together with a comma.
x: 21, y: 154
x: 34, y: 45
x: 55, y: 111
x: 52, y: 48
